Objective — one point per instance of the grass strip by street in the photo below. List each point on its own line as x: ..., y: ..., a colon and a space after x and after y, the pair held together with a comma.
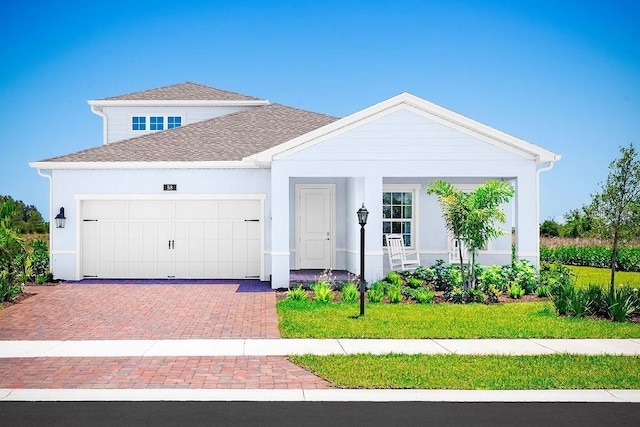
x: 602, y: 276
x: 458, y: 372
x: 307, y: 319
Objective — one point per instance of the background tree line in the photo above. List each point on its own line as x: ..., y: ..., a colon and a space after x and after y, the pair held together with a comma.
x: 25, y: 218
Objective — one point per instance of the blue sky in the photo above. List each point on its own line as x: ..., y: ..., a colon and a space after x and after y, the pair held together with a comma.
x: 564, y: 75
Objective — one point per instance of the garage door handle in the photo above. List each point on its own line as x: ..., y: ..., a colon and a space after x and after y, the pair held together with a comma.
x: 172, y: 244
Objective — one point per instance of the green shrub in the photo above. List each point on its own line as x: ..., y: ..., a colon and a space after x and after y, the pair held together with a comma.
x: 561, y: 292
x: 492, y: 275
x: 375, y: 294
x: 394, y: 278
x: 543, y: 291
x: 8, y: 289
x: 578, y: 303
x: 295, y: 294
x: 421, y: 295
x: 349, y: 293
x: 515, y: 291
x: 395, y: 294
x: 455, y: 294
x: 492, y: 293
x: 597, y: 299
x: 476, y: 295
x: 442, y: 275
x: 522, y: 274
x: 39, y: 258
x: 414, y: 283
x: 554, y: 275
x: 426, y: 275
x: 323, y: 292
x: 622, y: 303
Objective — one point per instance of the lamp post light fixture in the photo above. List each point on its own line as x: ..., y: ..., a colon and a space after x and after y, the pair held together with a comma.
x: 60, y: 219
x: 363, y: 213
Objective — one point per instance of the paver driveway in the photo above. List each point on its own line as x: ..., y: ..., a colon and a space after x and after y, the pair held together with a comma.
x: 147, y: 311
x: 142, y: 311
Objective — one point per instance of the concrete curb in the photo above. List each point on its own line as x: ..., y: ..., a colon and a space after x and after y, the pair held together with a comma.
x: 329, y: 395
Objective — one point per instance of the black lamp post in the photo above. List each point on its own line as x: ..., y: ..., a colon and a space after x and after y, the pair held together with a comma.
x: 363, y: 213
x: 60, y: 219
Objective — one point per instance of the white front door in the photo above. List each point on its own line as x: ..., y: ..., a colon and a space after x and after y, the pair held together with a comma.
x: 315, y: 246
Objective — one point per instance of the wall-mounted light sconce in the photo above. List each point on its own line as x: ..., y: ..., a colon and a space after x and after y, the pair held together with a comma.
x: 60, y: 219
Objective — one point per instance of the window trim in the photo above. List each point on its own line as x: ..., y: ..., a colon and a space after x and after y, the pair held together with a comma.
x: 415, y: 209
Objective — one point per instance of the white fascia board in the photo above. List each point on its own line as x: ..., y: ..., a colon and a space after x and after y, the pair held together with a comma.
x: 420, y: 106
x: 144, y: 165
x: 175, y: 103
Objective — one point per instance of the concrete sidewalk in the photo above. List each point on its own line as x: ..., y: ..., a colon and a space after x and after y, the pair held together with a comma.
x: 284, y: 347
x: 255, y: 370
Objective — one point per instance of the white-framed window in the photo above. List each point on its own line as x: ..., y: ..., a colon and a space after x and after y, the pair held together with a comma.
x: 138, y: 123
x: 400, y: 212
x: 155, y: 123
x: 174, y: 122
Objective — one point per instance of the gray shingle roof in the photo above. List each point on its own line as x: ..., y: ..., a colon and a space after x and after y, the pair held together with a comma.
x: 184, y: 92
x: 225, y: 138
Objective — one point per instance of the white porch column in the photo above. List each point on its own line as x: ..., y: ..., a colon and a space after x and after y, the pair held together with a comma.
x: 372, y: 199
x: 279, y: 228
x: 527, y: 218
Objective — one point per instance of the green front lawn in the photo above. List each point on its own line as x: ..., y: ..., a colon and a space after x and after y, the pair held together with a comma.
x: 591, y: 275
x: 543, y: 372
x: 305, y: 319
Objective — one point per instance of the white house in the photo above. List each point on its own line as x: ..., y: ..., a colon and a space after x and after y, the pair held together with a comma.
x: 197, y: 182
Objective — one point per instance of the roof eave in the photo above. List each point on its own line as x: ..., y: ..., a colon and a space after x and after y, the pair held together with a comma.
x: 232, y: 164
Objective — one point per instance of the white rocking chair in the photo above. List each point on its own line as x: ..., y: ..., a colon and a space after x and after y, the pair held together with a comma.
x: 398, y: 257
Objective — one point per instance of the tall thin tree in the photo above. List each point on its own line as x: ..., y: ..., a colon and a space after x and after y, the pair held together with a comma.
x: 617, y: 204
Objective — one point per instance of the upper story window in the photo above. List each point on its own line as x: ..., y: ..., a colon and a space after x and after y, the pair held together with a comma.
x: 174, y: 122
x: 138, y: 123
x: 155, y: 123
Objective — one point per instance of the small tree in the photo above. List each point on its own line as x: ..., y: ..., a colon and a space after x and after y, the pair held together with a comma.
x: 471, y: 217
x: 617, y: 205
x: 549, y: 228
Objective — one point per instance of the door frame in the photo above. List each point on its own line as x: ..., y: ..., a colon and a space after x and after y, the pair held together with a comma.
x: 81, y: 198
x: 332, y: 220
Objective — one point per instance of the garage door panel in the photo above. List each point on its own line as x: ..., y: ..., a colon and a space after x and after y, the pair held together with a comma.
x: 108, y: 209
x: 225, y: 230
x: 149, y: 210
x: 156, y: 239
x: 239, y: 230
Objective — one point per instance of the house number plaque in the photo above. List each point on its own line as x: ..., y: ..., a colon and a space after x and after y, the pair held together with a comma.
x: 170, y: 187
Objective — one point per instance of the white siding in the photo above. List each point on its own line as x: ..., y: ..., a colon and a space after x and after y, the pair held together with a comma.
x: 404, y: 135
x: 119, y: 118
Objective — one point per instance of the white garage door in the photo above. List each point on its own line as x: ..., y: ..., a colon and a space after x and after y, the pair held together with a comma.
x: 160, y: 239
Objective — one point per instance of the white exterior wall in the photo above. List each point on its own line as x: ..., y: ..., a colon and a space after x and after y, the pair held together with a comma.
x: 118, y: 121
x: 405, y: 147
x: 69, y: 187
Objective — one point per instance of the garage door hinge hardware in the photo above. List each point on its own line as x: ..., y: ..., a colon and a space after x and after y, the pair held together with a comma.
x: 251, y: 220
x: 84, y: 275
x: 88, y: 220
x: 172, y: 244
